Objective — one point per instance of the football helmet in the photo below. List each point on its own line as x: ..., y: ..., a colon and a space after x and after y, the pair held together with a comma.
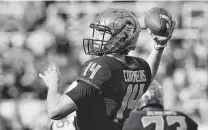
x: 122, y: 27
x: 152, y: 97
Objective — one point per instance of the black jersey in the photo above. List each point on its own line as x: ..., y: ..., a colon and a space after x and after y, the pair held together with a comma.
x: 159, y: 120
x: 120, y: 85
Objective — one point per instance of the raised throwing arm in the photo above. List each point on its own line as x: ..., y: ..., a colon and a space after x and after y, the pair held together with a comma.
x: 159, y: 44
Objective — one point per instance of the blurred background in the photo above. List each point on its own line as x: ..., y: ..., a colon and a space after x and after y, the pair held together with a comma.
x: 37, y: 34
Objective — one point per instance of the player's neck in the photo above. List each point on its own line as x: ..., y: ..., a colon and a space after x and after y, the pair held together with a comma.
x: 117, y: 56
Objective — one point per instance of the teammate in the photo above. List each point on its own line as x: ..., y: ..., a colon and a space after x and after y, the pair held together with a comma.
x: 150, y: 114
x: 66, y: 123
x: 110, y: 85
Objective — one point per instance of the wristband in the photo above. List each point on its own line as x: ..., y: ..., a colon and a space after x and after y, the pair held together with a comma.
x: 158, y: 46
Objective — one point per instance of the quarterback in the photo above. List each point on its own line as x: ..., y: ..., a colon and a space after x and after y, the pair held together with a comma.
x: 109, y: 85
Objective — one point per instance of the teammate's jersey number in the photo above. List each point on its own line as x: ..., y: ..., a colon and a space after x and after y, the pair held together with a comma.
x: 130, y: 100
x: 159, y: 122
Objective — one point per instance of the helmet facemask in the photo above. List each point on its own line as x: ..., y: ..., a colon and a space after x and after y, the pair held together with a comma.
x: 93, y: 46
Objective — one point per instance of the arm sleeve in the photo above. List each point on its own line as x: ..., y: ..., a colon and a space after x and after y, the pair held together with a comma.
x: 81, y: 92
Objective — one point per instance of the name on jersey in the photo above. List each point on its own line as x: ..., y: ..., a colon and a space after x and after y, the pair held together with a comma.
x: 134, y: 76
x: 160, y: 113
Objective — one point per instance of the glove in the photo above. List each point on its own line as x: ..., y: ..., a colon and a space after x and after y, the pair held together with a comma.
x: 161, y: 41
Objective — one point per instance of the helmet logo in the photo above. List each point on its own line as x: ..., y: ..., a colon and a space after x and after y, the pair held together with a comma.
x: 121, y: 23
x: 128, y: 29
x: 124, y: 28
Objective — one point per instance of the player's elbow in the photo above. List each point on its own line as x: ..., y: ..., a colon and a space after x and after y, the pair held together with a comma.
x: 60, y: 109
x: 54, y: 117
x: 58, y: 113
x: 55, y: 114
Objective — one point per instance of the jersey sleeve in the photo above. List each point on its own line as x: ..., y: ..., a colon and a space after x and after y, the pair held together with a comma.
x: 95, y: 73
x: 81, y: 92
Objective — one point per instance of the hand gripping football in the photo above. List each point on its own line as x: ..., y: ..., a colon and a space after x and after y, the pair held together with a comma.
x: 158, y: 20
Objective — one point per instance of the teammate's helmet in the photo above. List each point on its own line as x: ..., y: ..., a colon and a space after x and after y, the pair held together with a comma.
x: 123, y: 28
x: 153, y: 96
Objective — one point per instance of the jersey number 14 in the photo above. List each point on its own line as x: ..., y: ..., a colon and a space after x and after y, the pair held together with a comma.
x: 130, y: 100
x: 93, y: 67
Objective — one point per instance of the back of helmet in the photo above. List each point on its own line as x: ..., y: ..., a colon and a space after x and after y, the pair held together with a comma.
x: 152, y: 97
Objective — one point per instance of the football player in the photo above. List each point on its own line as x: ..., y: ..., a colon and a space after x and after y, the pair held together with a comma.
x: 150, y: 114
x: 108, y: 86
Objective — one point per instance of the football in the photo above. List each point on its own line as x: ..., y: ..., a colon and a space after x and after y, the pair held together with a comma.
x: 158, y: 20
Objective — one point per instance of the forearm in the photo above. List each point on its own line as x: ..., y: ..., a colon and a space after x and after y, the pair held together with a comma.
x: 154, y: 61
x: 59, y: 105
x: 53, y: 100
